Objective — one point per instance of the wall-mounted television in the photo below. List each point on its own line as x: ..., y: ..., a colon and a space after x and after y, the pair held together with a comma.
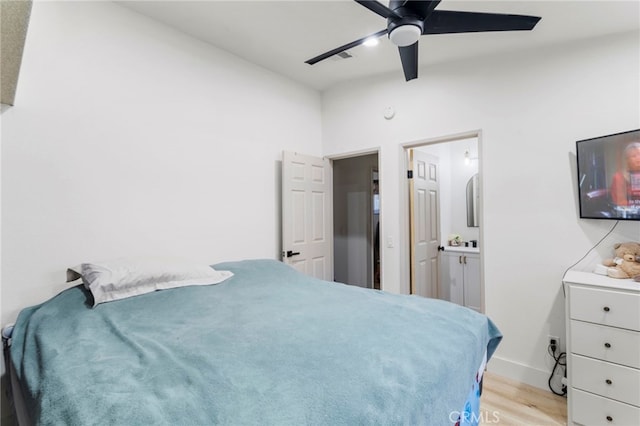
x: 609, y: 176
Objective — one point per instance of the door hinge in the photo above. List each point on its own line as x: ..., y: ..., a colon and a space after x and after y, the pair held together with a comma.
x: 409, y: 174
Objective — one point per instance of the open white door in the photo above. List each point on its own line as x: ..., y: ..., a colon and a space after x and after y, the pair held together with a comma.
x: 307, y: 214
x: 425, y: 224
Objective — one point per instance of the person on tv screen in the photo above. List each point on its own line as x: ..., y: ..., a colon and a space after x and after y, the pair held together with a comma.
x: 625, y: 184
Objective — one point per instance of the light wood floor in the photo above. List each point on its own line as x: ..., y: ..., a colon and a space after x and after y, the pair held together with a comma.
x: 505, y: 402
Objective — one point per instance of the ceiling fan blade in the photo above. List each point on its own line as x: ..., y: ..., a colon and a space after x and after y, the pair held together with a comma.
x: 345, y: 47
x: 448, y: 22
x: 379, y: 8
x: 409, y: 58
x: 422, y: 8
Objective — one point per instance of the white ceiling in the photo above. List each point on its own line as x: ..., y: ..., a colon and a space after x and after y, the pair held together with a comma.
x: 281, y: 35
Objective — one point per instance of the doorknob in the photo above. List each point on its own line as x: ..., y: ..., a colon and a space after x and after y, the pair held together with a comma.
x: 292, y: 253
x: 440, y: 248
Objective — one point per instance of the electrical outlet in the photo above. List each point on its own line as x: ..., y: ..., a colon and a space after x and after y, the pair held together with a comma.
x: 554, y: 340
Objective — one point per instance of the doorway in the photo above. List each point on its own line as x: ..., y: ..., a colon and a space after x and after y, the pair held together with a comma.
x: 318, y: 192
x: 454, y: 214
x: 356, y: 212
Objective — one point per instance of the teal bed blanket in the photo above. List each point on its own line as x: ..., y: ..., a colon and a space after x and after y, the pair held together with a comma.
x: 268, y: 346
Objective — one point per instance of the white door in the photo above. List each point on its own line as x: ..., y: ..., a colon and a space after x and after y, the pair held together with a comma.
x: 425, y: 223
x: 307, y: 214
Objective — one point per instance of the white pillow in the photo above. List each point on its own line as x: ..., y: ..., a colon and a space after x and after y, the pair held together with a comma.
x: 126, y: 277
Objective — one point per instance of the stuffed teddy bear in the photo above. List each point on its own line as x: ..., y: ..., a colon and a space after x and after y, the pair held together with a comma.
x: 626, y: 264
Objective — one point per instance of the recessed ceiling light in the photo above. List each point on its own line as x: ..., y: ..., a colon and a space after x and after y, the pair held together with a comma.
x: 371, y: 41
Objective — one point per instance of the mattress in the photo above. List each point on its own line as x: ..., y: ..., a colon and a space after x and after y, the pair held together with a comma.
x: 268, y: 346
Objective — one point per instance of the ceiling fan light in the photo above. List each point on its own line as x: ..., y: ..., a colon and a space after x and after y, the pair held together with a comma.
x: 371, y: 41
x: 405, y: 35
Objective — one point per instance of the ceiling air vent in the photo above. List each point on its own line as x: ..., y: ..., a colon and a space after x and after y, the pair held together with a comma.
x: 342, y: 55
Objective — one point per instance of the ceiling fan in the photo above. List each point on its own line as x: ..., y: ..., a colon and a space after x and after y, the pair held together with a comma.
x: 407, y: 20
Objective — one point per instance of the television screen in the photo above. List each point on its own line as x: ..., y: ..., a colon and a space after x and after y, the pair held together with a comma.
x: 609, y: 176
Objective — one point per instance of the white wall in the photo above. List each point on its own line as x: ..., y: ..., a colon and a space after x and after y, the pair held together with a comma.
x: 129, y: 138
x: 531, y: 107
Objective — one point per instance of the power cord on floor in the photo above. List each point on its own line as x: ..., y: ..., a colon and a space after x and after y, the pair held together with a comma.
x: 560, y: 361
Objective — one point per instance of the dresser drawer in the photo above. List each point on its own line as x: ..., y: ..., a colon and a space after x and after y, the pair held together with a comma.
x: 608, y: 307
x: 605, y: 379
x: 589, y: 409
x: 606, y: 343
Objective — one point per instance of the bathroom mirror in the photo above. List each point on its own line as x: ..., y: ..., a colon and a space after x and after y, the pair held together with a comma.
x: 472, y: 202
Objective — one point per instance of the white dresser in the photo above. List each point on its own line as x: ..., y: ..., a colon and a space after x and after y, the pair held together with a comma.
x: 603, y: 349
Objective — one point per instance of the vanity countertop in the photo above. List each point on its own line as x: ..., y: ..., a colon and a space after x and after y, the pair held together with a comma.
x: 462, y: 249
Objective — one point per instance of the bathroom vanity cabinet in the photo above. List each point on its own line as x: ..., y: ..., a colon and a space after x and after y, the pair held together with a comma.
x: 461, y: 276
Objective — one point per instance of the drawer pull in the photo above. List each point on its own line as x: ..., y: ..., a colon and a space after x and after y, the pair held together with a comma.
x: 606, y: 309
x: 608, y: 381
x: 609, y: 418
x: 607, y: 345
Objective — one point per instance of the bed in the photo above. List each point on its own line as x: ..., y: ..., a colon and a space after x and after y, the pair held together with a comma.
x: 266, y: 346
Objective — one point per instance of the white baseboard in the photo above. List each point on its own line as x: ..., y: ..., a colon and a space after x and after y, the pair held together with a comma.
x: 519, y: 372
